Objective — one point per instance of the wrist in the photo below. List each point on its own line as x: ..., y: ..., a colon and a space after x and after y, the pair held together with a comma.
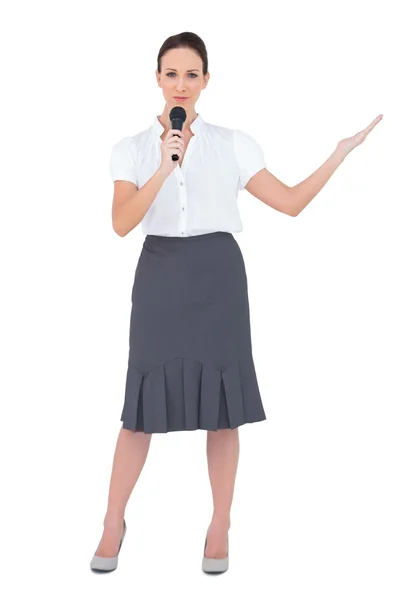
x: 339, y: 155
x: 160, y: 175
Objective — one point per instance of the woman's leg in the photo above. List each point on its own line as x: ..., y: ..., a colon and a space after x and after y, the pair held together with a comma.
x: 130, y: 455
x: 223, y: 457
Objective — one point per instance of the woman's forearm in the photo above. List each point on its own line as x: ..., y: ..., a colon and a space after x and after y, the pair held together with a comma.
x: 131, y: 213
x: 306, y: 190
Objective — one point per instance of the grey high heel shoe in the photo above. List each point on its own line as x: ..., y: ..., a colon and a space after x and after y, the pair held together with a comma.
x: 215, y: 565
x: 107, y: 563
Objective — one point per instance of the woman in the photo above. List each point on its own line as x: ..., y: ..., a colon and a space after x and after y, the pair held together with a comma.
x: 190, y: 357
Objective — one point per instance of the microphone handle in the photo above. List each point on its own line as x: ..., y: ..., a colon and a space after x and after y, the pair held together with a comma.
x: 176, y: 124
x: 175, y: 157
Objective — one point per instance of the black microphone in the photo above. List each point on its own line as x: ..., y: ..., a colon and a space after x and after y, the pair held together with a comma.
x: 177, y: 117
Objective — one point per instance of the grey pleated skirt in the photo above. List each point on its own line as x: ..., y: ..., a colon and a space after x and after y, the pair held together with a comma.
x: 190, y: 360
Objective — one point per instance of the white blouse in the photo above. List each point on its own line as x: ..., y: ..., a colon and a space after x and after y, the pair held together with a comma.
x: 201, y: 196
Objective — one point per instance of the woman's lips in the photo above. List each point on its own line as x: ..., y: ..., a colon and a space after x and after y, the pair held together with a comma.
x: 178, y: 98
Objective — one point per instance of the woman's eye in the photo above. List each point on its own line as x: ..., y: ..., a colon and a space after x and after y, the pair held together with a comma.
x: 171, y: 73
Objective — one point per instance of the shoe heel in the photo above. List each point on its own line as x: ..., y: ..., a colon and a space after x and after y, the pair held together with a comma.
x: 107, y: 563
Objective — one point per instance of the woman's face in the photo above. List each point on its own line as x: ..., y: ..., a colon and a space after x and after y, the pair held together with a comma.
x: 181, y: 75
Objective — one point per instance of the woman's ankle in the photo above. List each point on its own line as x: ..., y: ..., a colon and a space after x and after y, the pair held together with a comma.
x: 221, y: 519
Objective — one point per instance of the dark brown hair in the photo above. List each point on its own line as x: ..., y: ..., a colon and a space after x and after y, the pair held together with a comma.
x: 186, y: 39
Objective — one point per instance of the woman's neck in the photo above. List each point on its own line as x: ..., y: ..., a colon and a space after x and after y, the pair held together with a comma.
x: 165, y: 122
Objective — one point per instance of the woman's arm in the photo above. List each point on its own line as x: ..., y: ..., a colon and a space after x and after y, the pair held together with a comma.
x: 292, y: 200
x: 130, y: 205
x: 305, y: 191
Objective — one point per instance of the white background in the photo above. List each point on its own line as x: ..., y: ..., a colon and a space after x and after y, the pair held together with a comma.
x: 315, y: 512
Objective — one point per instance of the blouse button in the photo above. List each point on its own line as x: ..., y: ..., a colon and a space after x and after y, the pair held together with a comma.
x: 181, y: 182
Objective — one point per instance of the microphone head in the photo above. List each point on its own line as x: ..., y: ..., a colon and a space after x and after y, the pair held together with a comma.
x: 178, y: 112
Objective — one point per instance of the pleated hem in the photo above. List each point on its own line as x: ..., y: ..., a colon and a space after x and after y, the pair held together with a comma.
x: 184, y: 394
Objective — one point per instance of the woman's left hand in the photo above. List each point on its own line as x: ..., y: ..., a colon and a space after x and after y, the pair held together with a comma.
x: 346, y: 145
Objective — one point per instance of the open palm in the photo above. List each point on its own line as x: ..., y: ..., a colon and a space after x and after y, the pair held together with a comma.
x: 348, y: 144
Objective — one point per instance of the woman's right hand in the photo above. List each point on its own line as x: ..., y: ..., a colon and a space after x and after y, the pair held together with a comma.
x: 172, y: 144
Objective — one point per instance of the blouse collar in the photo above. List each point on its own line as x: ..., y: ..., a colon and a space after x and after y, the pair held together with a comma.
x: 196, y: 126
